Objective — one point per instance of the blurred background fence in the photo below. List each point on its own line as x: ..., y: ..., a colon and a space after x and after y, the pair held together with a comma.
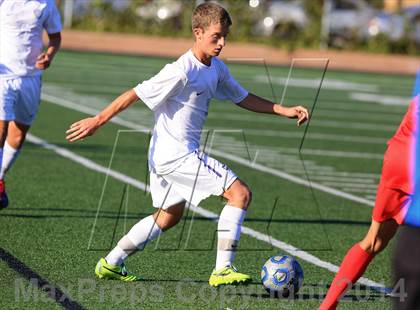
x: 385, y: 26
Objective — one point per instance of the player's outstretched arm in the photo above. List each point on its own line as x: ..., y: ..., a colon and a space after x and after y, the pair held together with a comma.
x: 87, y: 127
x: 261, y: 105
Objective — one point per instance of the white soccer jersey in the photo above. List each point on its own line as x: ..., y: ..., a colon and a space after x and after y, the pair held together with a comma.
x: 179, y: 95
x: 21, y: 26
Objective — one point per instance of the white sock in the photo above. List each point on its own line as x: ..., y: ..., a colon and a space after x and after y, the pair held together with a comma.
x: 9, y: 156
x: 117, y: 256
x: 228, y: 234
x: 136, y: 239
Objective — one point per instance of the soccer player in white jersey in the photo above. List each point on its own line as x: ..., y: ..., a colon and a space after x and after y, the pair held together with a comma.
x: 22, y: 61
x: 179, y: 95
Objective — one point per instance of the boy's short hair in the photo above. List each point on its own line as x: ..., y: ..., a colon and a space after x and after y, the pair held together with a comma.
x: 209, y: 13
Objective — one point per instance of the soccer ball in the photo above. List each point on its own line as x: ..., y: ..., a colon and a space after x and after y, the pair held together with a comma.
x: 282, y: 276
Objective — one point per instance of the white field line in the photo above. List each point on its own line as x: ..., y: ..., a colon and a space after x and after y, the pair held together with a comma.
x: 314, y: 174
x: 284, y: 162
x: 336, y: 110
x: 234, y: 158
x: 293, y: 178
x: 87, y: 163
x: 342, y: 124
x: 351, y: 185
x: 319, y: 152
x: 316, y: 136
x: 300, y: 170
x: 381, y: 99
x: 275, y: 152
x: 91, y: 111
x: 342, y: 179
x: 348, y: 174
x: 369, y: 116
x: 359, y: 190
x: 314, y: 83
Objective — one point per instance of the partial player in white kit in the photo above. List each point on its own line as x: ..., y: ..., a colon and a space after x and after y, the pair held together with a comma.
x: 22, y: 61
x: 179, y: 95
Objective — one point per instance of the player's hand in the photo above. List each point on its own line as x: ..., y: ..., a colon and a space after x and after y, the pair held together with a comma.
x: 43, y: 61
x: 298, y: 112
x: 81, y: 129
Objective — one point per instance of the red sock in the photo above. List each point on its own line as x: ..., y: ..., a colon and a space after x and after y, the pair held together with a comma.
x: 353, y: 266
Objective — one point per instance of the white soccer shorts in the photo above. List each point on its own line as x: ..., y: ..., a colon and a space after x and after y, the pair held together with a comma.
x: 197, y: 178
x: 20, y: 98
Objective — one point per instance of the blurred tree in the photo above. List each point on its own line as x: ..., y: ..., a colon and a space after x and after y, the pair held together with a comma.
x: 312, y: 33
x: 105, y: 15
x: 377, y: 4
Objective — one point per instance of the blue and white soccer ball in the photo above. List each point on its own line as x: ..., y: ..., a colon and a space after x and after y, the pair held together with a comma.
x: 282, y: 276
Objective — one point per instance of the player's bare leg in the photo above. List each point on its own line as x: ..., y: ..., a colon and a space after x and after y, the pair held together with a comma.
x: 168, y: 218
x: 13, y: 135
x: 4, y: 201
x: 378, y: 236
x: 357, y: 259
x: 238, y: 198
x: 16, y: 134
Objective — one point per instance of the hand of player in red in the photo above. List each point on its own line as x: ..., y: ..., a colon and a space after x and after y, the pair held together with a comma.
x: 43, y: 61
x: 83, y: 128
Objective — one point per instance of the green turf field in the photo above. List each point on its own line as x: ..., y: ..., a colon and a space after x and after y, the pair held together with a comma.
x: 65, y: 213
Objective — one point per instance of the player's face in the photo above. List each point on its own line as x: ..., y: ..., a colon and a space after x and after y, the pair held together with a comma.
x: 212, y: 39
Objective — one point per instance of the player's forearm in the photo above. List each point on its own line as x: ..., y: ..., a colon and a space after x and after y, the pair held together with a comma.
x: 119, y: 104
x: 53, y: 44
x: 257, y: 104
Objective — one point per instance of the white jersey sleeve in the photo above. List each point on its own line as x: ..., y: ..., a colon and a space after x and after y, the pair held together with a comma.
x: 228, y: 88
x: 52, y: 23
x: 169, y: 82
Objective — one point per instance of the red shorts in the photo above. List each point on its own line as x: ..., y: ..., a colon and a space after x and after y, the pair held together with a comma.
x: 391, y: 203
x: 396, y: 187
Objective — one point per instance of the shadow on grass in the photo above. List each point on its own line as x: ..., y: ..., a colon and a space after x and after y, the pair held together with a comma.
x: 254, y: 290
x: 130, y: 215
x: 317, y: 292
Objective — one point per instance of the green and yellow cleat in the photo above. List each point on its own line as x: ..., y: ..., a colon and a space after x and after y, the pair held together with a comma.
x: 228, y: 276
x: 104, y: 270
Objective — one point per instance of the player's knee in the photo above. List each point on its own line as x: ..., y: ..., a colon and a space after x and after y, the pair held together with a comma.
x: 16, y: 140
x: 242, y: 197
